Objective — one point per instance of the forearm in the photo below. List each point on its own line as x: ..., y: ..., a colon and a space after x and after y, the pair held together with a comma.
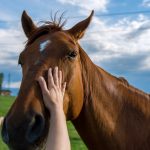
x: 1, y: 121
x: 53, y: 94
x: 58, y: 134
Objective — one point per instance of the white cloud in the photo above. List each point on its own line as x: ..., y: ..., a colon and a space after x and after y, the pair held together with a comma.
x: 97, y: 5
x: 105, y: 40
x: 146, y: 3
x: 145, y: 65
x: 12, y: 85
x: 122, y: 38
x: 11, y: 41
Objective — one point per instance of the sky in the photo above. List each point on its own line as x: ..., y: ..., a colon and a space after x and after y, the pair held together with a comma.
x: 118, y: 38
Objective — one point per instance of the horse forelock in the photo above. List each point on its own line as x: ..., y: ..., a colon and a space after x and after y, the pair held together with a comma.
x: 56, y: 24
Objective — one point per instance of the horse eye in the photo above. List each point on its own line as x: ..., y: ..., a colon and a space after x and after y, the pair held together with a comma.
x: 72, y: 54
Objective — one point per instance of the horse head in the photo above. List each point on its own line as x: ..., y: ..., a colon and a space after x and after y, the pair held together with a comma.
x: 27, y: 122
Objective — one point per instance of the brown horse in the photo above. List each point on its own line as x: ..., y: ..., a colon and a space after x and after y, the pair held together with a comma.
x: 107, y: 112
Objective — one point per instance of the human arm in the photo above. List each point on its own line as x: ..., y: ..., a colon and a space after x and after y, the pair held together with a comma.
x: 1, y: 120
x: 53, y: 98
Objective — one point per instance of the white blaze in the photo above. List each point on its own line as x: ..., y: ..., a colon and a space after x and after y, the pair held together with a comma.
x: 44, y: 44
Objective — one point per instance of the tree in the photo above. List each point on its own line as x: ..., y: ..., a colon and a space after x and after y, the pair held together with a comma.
x: 1, y: 80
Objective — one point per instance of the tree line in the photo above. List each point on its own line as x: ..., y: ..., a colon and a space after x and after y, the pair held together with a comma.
x: 1, y: 80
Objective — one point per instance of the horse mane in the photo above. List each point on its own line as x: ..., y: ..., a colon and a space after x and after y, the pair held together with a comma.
x: 122, y: 79
x: 132, y: 88
x: 56, y: 24
x: 89, y: 69
x: 139, y: 98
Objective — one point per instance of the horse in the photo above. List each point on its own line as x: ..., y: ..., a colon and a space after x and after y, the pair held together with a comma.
x: 107, y: 112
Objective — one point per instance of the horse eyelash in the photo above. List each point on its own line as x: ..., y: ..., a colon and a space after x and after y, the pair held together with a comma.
x: 72, y: 52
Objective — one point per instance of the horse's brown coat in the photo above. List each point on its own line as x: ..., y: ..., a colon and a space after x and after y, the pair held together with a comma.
x: 115, y: 115
x: 107, y: 112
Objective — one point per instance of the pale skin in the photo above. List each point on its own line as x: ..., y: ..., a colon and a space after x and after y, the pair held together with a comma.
x: 53, y: 95
x: 1, y: 120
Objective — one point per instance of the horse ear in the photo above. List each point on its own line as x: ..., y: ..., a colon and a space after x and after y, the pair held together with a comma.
x: 27, y: 24
x: 79, y: 29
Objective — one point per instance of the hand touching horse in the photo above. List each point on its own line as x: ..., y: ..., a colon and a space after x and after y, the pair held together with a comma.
x: 107, y: 112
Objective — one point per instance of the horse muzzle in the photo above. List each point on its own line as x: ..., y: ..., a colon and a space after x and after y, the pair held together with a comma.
x: 19, y: 135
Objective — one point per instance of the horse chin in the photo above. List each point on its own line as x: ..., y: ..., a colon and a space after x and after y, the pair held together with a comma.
x: 37, y: 147
x: 41, y: 146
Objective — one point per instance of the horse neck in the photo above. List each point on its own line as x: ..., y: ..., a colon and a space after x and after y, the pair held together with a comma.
x: 104, y: 98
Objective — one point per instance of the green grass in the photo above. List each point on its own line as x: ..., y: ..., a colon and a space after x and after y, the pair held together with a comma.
x: 5, y: 103
x: 76, y: 142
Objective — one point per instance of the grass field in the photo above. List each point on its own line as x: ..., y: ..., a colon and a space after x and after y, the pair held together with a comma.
x: 76, y: 142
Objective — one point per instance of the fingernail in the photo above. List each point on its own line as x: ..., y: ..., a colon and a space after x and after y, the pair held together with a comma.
x: 41, y: 78
x: 50, y: 69
x: 38, y: 79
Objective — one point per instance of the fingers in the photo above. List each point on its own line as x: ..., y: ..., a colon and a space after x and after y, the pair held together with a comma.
x: 53, y: 80
x: 43, y: 85
x: 63, y: 88
x: 55, y: 77
x: 60, y: 78
x: 50, y: 79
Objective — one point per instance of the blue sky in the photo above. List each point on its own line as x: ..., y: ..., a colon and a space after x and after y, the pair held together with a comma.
x: 120, y: 44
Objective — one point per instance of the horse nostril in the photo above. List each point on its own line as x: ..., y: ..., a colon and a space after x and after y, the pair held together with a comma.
x: 4, y: 132
x: 35, y: 128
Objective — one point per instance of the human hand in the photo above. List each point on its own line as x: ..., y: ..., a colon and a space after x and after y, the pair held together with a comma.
x: 53, y: 93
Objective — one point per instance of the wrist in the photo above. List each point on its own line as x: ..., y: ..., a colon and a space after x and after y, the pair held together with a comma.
x: 57, y: 112
x: 54, y: 108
